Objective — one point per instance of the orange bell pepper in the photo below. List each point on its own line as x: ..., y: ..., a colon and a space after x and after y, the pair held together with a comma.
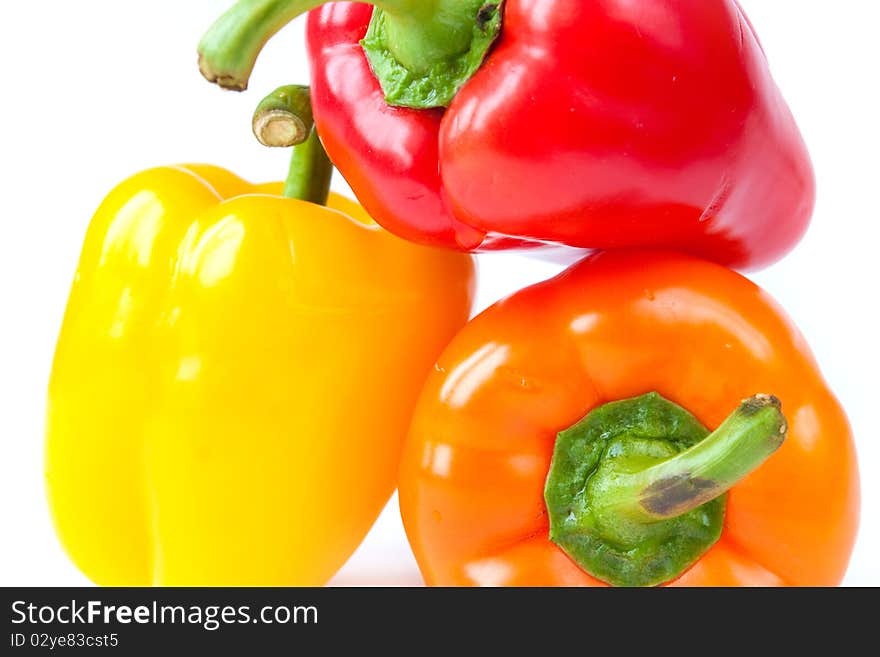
x: 517, y: 383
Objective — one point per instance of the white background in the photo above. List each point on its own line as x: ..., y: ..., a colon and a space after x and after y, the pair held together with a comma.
x: 93, y: 91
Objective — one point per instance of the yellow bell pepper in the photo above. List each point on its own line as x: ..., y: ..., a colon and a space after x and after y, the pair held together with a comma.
x: 234, y: 379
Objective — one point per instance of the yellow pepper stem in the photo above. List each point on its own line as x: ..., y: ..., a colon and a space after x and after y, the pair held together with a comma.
x: 283, y: 119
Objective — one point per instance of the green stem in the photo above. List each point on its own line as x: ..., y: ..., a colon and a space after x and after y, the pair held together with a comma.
x: 230, y: 47
x: 420, y: 34
x: 284, y: 118
x: 705, y: 471
x: 636, y: 490
x: 422, y: 51
x: 310, y: 172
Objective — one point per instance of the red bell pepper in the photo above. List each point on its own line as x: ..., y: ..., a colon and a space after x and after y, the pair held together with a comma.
x: 592, y: 123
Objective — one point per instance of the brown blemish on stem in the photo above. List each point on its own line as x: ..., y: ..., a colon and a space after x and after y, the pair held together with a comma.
x: 486, y: 14
x: 674, y: 496
x: 754, y: 404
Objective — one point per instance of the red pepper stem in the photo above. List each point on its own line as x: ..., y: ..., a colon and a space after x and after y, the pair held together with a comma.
x: 284, y: 118
x: 421, y: 33
x: 230, y: 47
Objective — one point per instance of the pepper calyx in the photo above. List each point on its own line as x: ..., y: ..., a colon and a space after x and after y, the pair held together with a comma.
x: 636, y: 491
x: 429, y: 76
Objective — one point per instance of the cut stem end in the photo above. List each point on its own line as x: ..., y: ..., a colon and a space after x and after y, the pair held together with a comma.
x: 279, y: 129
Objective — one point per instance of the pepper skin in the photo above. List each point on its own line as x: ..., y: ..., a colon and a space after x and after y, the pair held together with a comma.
x: 614, y: 327
x: 234, y: 380
x: 593, y: 124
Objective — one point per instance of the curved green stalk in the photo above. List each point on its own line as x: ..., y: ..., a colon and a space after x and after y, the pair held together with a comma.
x: 421, y: 51
x: 636, y: 490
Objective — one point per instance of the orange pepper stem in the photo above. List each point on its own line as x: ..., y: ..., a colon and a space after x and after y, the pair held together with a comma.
x: 284, y: 118
x: 636, y: 490
x: 705, y: 471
